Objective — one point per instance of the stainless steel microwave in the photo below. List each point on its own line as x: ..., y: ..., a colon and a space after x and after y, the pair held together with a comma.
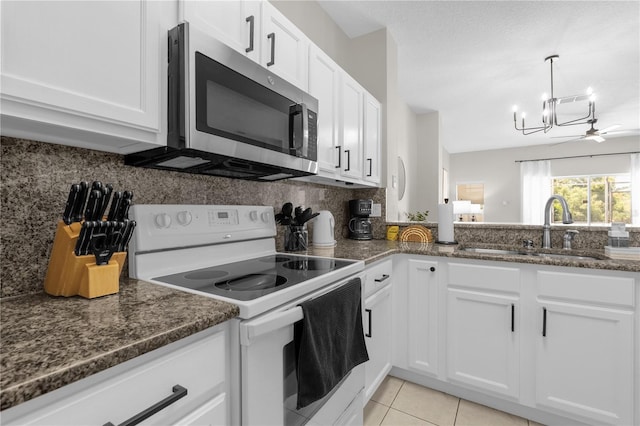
x: 228, y: 116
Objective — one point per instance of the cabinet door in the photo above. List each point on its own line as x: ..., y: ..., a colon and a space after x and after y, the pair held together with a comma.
x: 584, y: 361
x: 235, y: 23
x: 87, y: 66
x: 372, y: 141
x: 324, y: 85
x: 482, y: 340
x: 351, y: 128
x: 284, y: 47
x: 377, y: 329
x: 423, y: 316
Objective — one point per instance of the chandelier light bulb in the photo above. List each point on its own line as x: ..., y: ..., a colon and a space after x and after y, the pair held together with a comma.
x: 515, y: 108
x: 545, y: 97
x: 592, y: 98
x: 589, y: 90
x: 545, y: 112
x: 524, y: 114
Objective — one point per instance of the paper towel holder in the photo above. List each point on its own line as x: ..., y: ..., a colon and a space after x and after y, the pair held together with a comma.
x: 454, y: 242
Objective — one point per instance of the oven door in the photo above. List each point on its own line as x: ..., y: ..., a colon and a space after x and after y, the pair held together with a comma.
x: 269, y: 385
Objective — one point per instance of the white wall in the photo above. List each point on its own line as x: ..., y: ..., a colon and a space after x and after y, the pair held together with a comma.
x: 500, y: 173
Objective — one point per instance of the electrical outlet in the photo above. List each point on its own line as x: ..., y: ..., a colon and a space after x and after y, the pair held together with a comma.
x: 376, y: 210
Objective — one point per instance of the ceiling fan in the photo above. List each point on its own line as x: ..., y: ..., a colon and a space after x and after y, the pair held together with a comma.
x: 594, y: 134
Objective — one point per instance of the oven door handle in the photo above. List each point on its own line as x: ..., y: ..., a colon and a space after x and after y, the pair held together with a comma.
x: 268, y: 324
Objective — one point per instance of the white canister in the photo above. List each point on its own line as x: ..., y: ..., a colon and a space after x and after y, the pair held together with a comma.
x: 323, y: 228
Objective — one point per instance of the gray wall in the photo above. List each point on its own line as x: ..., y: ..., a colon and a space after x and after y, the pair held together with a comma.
x: 500, y: 173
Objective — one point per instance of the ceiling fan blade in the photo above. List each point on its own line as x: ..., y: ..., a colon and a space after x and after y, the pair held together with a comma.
x: 568, y: 136
x: 607, y: 129
x: 624, y: 132
x: 596, y: 138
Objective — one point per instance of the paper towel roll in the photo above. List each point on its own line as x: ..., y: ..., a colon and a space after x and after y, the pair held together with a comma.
x: 445, y: 223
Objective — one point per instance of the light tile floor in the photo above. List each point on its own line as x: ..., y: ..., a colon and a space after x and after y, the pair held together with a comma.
x: 398, y: 402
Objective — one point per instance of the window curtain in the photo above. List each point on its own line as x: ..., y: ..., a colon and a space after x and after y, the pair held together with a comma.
x: 635, y: 189
x: 535, y: 183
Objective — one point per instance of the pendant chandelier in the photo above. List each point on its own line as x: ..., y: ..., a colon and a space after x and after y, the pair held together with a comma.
x: 550, y: 106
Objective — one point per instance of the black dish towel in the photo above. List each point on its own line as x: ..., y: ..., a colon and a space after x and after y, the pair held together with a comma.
x: 329, y: 340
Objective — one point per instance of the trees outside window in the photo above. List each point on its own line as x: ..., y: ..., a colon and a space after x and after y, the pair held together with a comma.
x: 595, y: 200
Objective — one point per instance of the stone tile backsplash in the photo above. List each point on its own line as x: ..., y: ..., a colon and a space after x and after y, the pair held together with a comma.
x: 36, y: 177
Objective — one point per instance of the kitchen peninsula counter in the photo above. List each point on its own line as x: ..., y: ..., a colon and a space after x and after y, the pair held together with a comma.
x: 373, y: 250
x: 48, y: 342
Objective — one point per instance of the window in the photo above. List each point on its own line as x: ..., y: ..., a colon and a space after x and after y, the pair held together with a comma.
x: 594, y: 200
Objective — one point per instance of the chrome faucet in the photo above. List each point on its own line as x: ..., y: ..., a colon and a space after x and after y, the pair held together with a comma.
x: 546, y: 228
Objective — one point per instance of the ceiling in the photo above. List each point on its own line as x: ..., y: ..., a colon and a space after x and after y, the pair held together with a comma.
x: 472, y: 61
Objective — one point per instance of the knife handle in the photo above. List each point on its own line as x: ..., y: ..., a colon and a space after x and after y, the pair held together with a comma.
x: 94, y: 204
x: 78, y: 209
x: 67, y: 216
x: 123, y: 212
x: 115, y: 205
x: 106, y: 196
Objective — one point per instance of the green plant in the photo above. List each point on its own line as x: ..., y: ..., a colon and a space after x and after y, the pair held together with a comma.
x: 418, y: 216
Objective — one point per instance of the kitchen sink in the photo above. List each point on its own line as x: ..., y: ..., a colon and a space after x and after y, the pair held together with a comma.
x: 505, y: 252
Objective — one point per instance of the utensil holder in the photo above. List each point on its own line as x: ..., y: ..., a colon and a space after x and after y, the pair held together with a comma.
x: 296, y: 238
x: 71, y: 275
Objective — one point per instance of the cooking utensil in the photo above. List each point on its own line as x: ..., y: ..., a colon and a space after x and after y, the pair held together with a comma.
x: 309, y: 217
x: 103, y: 246
x: 68, y: 215
x: 287, y: 209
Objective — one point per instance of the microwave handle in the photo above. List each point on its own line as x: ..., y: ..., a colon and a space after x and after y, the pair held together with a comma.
x: 295, y: 146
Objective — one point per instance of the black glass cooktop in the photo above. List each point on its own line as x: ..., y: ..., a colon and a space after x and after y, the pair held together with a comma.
x: 253, y: 278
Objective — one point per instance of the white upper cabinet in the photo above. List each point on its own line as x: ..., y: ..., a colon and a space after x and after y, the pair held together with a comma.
x: 235, y: 23
x: 351, y: 128
x: 372, y: 142
x: 284, y: 47
x: 256, y: 29
x: 324, y: 85
x: 89, y: 74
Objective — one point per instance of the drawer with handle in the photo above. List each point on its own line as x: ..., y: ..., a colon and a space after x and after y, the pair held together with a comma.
x: 378, y: 276
x: 162, y: 387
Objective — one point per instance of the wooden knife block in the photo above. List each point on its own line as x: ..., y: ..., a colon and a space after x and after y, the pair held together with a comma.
x: 71, y: 275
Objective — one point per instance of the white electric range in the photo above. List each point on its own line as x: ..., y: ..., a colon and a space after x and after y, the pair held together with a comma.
x: 228, y: 253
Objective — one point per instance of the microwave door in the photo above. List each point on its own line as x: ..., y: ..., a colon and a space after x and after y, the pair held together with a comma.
x: 299, y: 130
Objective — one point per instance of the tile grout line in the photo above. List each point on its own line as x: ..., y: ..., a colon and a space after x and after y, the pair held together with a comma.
x: 455, y: 419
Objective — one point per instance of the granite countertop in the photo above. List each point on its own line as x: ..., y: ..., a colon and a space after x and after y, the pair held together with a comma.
x: 373, y: 250
x: 48, y: 342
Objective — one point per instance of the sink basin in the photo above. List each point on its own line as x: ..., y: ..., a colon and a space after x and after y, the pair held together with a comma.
x: 565, y: 256
x: 503, y: 252
x: 491, y: 251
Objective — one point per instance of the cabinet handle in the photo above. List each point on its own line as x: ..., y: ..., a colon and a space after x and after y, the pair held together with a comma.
x: 368, y: 311
x: 432, y: 269
x: 383, y: 278
x: 348, y: 152
x: 339, y: 148
x: 272, y: 36
x: 544, y: 322
x: 250, y: 20
x: 513, y: 312
x: 370, y: 166
x: 178, y: 392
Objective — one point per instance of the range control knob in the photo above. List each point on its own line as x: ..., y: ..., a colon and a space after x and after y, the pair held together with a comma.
x: 163, y: 220
x: 266, y: 217
x: 184, y: 218
x: 253, y: 215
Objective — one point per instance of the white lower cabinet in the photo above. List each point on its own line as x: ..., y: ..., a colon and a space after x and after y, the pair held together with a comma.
x: 482, y: 339
x: 422, y: 298
x: 556, y: 344
x: 482, y: 342
x: 191, y: 375
x: 585, y: 351
x: 377, y: 325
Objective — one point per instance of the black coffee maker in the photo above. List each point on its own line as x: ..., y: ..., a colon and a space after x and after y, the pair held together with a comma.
x: 359, y: 224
